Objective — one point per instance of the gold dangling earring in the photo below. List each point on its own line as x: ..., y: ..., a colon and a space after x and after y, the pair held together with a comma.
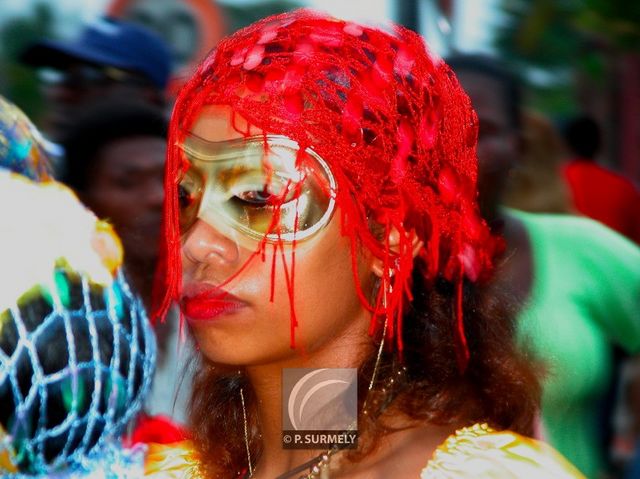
x: 388, y: 289
x: 246, y: 432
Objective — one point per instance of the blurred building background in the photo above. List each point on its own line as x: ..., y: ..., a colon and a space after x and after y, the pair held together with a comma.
x: 575, y: 56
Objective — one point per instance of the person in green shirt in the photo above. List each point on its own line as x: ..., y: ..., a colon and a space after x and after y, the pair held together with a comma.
x: 578, y: 282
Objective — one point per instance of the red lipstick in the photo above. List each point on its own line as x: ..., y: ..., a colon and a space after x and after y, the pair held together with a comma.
x: 205, y: 302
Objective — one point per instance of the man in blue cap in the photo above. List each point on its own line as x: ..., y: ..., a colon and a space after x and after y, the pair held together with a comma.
x: 110, y: 59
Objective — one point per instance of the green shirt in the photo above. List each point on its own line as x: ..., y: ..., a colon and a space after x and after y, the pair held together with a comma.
x: 585, y: 298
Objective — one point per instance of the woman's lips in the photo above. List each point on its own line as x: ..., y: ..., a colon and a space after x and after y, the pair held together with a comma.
x: 204, y: 302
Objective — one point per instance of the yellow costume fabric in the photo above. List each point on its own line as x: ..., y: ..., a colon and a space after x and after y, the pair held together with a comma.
x: 173, y: 461
x: 472, y: 452
x: 480, y: 452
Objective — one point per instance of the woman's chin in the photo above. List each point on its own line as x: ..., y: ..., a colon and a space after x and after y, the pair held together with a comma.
x: 238, y: 351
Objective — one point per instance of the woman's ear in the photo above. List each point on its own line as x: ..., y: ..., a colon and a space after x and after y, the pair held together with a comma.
x: 378, y: 265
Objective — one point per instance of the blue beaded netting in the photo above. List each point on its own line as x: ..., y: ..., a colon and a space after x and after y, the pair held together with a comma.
x: 76, y: 361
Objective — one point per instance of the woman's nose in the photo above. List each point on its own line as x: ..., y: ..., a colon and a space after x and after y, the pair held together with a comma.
x: 205, y: 244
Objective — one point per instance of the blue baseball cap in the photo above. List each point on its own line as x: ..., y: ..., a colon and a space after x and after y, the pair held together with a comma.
x: 109, y: 42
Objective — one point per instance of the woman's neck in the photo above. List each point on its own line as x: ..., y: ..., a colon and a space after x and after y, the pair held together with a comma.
x: 347, y: 350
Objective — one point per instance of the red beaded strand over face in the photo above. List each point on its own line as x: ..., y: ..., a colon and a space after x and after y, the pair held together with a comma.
x: 390, y: 121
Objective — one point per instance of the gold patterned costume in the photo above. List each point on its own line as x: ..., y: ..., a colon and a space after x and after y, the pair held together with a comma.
x: 476, y: 452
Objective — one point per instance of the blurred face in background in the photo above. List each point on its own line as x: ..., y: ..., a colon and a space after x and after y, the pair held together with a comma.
x: 125, y: 186
x: 497, y: 140
x: 69, y: 90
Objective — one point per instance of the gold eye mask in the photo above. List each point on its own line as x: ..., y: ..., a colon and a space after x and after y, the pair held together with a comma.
x: 262, y: 187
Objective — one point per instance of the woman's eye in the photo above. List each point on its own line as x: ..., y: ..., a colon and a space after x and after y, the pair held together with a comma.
x: 185, y: 197
x: 273, y: 193
x: 190, y: 189
x: 257, y: 197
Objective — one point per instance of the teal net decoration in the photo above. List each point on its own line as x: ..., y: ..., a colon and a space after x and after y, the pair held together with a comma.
x: 76, y: 360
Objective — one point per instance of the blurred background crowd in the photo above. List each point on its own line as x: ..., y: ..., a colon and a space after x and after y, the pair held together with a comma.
x: 557, y: 88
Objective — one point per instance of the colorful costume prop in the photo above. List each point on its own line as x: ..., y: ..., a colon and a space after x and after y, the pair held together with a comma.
x: 389, y: 120
x: 76, y: 350
x: 21, y: 144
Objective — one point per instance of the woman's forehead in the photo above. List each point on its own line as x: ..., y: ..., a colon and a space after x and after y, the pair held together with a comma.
x: 221, y: 123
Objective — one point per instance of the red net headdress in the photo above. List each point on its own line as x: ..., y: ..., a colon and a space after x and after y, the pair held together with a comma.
x: 390, y: 120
